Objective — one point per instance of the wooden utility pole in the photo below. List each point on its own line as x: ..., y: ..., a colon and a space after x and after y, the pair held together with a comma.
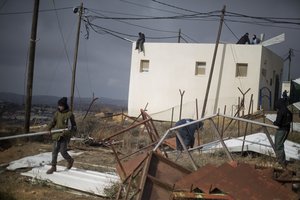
x: 75, y: 58
x: 31, y: 65
x: 213, y: 63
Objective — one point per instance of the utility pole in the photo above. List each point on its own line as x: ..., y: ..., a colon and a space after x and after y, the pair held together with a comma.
x: 213, y: 63
x: 179, y: 35
x: 75, y: 57
x: 31, y: 65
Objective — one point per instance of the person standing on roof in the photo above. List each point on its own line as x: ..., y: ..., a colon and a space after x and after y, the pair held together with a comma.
x: 63, y: 118
x: 244, y: 39
x: 283, y: 121
x: 187, y: 133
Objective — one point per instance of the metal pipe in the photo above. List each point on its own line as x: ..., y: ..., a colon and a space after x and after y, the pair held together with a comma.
x: 192, y: 122
x: 185, y: 148
x: 250, y: 121
x: 127, y: 129
x: 221, y: 140
x: 31, y: 134
x: 161, y: 140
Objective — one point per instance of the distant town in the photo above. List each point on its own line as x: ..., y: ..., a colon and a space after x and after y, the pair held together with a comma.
x: 12, y: 109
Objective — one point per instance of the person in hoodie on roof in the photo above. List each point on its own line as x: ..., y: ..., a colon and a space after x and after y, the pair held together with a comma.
x: 63, y: 118
x: 244, y: 39
x: 283, y: 121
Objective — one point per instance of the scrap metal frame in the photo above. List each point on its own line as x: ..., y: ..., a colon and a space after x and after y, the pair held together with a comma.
x: 147, y: 121
x: 218, y: 134
x: 158, y: 181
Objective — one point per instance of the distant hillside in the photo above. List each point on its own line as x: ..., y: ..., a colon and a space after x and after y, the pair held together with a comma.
x: 52, y: 100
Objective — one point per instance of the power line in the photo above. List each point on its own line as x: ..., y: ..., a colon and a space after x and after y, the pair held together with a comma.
x: 193, y: 40
x: 172, y: 6
x: 30, y: 12
x: 261, y: 24
x: 87, y: 67
x: 190, y: 16
x: 117, y: 34
x: 140, y: 26
x: 141, y: 5
x: 65, y: 46
x: 184, y: 39
x: 259, y: 17
x: 233, y: 14
x: 231, y: 30
x: 104, y: 30
x: 113, y: 12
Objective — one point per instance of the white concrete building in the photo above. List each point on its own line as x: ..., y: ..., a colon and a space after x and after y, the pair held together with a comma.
x: 163, y: 69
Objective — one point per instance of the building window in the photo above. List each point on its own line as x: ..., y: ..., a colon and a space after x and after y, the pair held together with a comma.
x: 144, y: 66
x: 200, y: 68
x: 241, y: 70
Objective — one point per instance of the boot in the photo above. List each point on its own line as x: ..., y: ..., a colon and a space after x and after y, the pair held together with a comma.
x: 70, y: 163
x: 51, y: 170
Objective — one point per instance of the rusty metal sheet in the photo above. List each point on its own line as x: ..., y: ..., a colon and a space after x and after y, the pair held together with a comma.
x: 160, y: 177
x: 244, y: 181
x: 171, y: 142
x: 188, y: 181
x: 129, y: 166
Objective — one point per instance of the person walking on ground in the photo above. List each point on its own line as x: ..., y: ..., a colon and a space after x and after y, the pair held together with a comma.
x: 63, y: 118
x: 283, y: 121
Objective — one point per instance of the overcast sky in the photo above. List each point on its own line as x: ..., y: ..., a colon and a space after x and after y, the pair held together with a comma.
x: 104, y: 59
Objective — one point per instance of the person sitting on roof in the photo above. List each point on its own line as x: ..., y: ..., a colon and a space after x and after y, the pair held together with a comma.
x: 140, y: 42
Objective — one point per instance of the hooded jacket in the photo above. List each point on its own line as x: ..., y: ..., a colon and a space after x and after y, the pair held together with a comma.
x: 61, y: 120
x: 284, y: 116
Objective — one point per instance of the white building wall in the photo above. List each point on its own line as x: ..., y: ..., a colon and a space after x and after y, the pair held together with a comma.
x: 273, y: 65
x: 172, y: 68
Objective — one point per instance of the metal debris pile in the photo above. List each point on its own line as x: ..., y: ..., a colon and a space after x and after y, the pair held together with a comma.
x: 149, y: 174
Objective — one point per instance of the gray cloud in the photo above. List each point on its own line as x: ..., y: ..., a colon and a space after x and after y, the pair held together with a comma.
x: 104, y: 60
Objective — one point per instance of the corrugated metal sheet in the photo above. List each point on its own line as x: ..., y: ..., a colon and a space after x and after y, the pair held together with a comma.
x: 82, y: 180
x: 258, y: 143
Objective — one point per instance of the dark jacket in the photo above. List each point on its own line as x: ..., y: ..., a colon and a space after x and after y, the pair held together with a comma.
x: 284, y: 116
x: 187, y: 132
x: 244, y: 39
x: 61, y: 120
